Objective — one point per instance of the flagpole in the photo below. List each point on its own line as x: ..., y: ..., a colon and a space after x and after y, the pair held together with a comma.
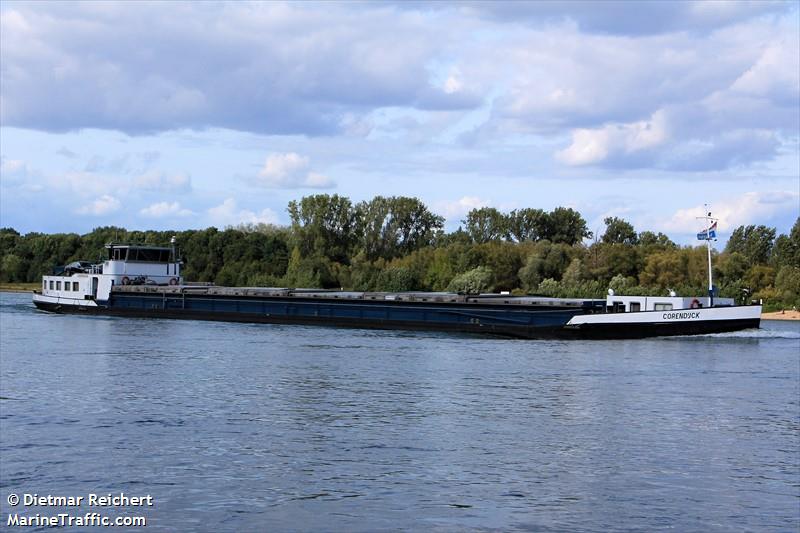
x: 710, y: 279
x: 708, y: 232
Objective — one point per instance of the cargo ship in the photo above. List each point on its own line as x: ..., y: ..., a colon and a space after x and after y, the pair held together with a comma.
x: 146, y: 281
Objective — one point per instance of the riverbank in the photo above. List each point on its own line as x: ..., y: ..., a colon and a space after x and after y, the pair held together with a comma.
x: 781, y: 315
x: 18, y: 287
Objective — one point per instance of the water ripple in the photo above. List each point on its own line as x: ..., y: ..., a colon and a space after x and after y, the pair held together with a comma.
x: 241, y: 427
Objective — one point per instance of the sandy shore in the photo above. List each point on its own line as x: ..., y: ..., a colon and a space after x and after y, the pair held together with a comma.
x: 781, y: 315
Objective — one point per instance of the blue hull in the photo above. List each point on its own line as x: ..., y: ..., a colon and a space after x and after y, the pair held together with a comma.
x: 474, y: 316
x: 506, y: 320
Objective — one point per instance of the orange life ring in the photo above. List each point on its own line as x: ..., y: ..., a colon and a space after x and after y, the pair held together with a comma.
x: 126, y: 280
x: 173, y: 281
x: 695, y: 304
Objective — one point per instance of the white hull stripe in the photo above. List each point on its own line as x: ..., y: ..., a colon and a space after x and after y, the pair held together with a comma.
x: 749, y: 312
x: 77, y: 302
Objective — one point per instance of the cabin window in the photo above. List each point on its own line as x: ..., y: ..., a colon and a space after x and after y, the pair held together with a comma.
x: 58, y: 285
x: 44, y: 285
x: 75, y: 286
x: 663, y: 307
x: 51, y: 284
x: 146, y: 255
x: 635, y: 307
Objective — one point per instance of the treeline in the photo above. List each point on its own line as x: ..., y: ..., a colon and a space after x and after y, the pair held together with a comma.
x: 398, y: 244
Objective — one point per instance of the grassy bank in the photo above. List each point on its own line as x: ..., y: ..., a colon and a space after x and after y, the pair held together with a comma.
x: 18, y: 287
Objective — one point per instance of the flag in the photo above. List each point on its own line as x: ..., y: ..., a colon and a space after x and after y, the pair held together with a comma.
x: 712, y: 231
x: 708, y: 234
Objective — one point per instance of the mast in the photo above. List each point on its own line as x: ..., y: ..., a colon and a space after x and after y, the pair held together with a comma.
x: 708, y: 234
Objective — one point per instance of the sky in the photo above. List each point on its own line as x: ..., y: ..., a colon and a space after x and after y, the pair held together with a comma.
x: 180, y: 115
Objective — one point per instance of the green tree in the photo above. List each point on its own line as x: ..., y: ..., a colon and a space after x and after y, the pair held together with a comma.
x: 528, y: 224
x: 730, y: 268
x: 759, y: 277
x: 396, y: 279
x: 619, y: 231
x: 546, y: 260
x: 396, y: 226
x: 754, y: 242
x: 475, y: 281
x: 12, y: 268
x: 324, y: 225
x: 787, y: 284
x: 665, y: 269
x: 567, y: 226
x: 787, y: 248
x: 486, y: 224
x: 575, y: 273
x: 651, y: 239
x: 609, y: 260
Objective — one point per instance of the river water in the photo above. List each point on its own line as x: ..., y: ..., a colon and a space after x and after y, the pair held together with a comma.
x: 237, y: 427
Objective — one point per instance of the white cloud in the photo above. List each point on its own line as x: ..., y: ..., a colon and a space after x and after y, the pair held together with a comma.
x: 165, y: 209
x: 748, y: 208
x: 458, y: 208
x: 17, y: 176
x: 160, y: 182
x: 771, y: 75
x: 591, y: 146
x: 628, y: 18
x: 317, y: 63
x: 104, y: 205
x: 88, y: 184
x: 229, y: 214
x: 290, y: 171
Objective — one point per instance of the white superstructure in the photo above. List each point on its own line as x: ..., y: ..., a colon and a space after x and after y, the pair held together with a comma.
x: 634, y: 304
x: 84, y: 284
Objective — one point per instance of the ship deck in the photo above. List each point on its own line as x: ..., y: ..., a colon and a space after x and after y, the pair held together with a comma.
x: 338, y: 295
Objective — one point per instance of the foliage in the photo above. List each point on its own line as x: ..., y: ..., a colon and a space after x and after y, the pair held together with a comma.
x: 650, y: 239
x: 324, y: 225
x: 528, y: 224
x: 475, y: 281
x: 567, y: 226
x: 486, y: 224
x: 786, y: 251
x: 787, y: 285
x: 754, y: 242
x: 619, y: 231
x: 398, y: 244
x: 396, y: 226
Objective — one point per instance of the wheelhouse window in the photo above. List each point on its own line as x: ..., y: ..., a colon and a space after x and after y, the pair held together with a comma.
x: 149, y: 255
x: 663, y: 307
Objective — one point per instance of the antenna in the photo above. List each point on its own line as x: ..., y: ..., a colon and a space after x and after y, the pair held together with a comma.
x: 172, y: 242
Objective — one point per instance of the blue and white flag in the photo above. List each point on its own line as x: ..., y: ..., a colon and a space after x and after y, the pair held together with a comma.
x: 708, y: 234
